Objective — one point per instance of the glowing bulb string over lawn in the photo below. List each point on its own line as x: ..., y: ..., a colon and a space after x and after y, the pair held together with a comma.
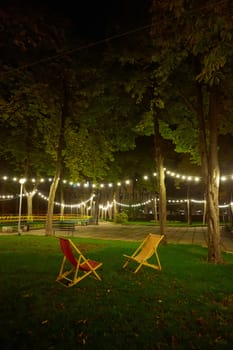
x: 108, y: 205
x: 133, y: 205
x: 104, y: 185
x: 75, y: 205
x: 7, y: 197
x: 172, y: 174
x: 170, y: 201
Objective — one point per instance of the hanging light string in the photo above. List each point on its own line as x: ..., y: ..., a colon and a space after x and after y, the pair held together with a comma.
x: 87, y: 184
x: 169, y: 201
x: 110, y: 204
x: 6, y: 197
x: 76, y: 205
x: 172, y: 174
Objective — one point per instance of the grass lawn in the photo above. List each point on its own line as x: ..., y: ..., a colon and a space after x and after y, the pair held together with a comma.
x: 188, y: 305
x: 172, y: 223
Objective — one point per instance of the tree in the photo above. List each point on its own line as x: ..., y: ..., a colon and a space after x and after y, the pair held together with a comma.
x: 58, y: 107
x: 26, y: 37
x: 23, y: 147
x: 196, y: 39
x: 134, y: 54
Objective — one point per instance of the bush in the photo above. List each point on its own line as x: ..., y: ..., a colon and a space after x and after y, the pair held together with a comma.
x: 227, y: 229
x: 121, y: 218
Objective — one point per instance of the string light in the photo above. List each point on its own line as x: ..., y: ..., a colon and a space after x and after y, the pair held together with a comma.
x: 63, y: 205
x: 224, y: 205
x: 198, y: 201
x: 169, y: 173
x: 119, y: 183
x: 109, y: 205
x: 127, y: 182
x: 171, y: 201
x: 7, y: 196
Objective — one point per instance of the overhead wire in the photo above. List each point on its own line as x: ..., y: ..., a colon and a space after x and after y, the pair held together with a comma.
x: 96, y: 43
x: 74, y: 50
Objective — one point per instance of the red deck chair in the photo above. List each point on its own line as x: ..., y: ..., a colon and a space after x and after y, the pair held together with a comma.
x: 81, y: 267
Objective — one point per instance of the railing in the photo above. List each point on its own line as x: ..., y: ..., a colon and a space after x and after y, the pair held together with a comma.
x: 26, y: 218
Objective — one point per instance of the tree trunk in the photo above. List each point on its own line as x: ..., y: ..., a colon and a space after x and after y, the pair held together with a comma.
x: 208, y: 145
x: 30, y: 195
x: 189, y: 212
x: 204, y: 211
x: 155, y: 209
x: 62, y: 208
x: 52, y: 193
x: 189, y: 207
x: 214, y: 244
x: 58, y: 170
x: 96, y: 212
x: 114, y: 208
x: 161, y: 177
x: 29, y: 205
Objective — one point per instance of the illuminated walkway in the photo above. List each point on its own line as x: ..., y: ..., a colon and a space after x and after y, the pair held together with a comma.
x: 190, y: 235
x: 107, y: 230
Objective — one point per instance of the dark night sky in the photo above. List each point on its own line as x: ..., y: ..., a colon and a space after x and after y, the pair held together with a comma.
x: 90, y: 17
x: 95, y: 19
x: 98, y: 19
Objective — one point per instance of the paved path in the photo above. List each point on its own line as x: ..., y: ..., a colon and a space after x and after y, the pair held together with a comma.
x: 107, y: 230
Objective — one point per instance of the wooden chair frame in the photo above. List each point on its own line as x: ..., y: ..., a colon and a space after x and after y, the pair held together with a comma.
x: 81, y: 266
x: 146, y: 250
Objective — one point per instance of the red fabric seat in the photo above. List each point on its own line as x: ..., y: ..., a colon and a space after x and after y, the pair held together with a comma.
x: 80, y: 266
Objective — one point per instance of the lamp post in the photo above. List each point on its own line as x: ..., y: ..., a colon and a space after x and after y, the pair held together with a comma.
x: 21, y: 181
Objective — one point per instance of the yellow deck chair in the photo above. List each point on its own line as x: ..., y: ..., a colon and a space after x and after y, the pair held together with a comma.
x: 80, y: 266
x: 146, y: 250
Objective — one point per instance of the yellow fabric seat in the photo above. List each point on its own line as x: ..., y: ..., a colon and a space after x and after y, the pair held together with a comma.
x: 146, y: 251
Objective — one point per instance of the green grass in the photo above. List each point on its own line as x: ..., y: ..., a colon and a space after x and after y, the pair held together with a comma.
x: 188, y: 305
x: 169, y: 223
